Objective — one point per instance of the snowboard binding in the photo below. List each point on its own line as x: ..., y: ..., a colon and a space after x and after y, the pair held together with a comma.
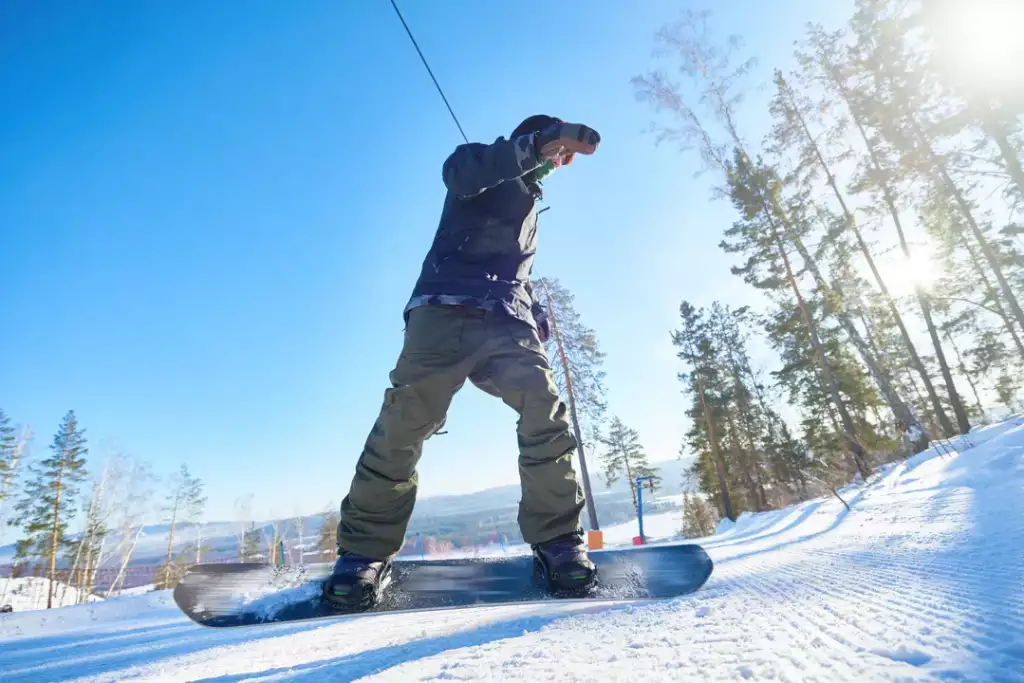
x: 563, y: 567
x: 357, y: 584
x: 577, y: 582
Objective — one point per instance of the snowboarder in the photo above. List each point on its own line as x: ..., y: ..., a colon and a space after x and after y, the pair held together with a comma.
x: 473, y: 315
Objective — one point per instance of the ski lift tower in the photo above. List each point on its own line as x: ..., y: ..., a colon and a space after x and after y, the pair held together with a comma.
x: 640, y: 540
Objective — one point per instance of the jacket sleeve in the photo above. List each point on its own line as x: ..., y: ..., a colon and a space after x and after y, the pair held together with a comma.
x: 475, y: 167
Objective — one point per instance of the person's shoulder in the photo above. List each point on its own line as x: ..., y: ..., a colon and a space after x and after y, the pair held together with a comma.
x: 480, y: 145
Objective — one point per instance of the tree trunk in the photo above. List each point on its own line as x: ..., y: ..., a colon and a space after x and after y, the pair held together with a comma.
x: 170, y: 545
x: 119, y: 579
x: 591, y: 509
x: 74, y: 573
x: 954, y: 396
x: 632, y: 484
x: 752, y: 461
x: 716, y: 454
x: 54, y: 535
x: 94, y: 565
x: 967, y: 375
x: 742, y: 458
x: 869, y: 330
x: 1006, y: 149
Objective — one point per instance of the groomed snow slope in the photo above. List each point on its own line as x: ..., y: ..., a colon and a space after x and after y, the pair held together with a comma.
x: 922, y: 580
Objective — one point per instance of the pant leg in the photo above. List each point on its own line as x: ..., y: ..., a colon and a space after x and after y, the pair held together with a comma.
x: 516, y: 368
x: 432, y: 367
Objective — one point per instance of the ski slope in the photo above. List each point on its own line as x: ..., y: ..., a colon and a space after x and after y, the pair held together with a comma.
x: 922, y: 580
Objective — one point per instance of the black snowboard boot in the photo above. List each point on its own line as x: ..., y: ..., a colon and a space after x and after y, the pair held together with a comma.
x: 357, y: 582
x: 564, y: 566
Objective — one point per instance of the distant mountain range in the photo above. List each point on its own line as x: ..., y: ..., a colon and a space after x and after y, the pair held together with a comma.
x: 671, y: 472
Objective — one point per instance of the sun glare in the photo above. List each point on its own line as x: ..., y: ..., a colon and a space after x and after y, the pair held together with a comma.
x: 902, y: 276
x: 979, y: 43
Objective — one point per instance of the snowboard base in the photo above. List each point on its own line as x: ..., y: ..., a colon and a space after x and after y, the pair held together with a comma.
x: 244, y: 594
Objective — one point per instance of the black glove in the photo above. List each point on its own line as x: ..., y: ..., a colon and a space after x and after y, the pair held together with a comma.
x: 559, y: 142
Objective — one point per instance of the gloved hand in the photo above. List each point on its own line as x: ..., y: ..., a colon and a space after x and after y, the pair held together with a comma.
x: 543, y: 330
x: 540, y: 317
x: 560, y: 142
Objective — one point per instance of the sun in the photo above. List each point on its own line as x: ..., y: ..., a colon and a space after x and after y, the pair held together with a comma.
x: 978, y: 43
x: 904, y: 275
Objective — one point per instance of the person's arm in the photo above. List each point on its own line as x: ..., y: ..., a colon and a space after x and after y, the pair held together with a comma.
x: 475, y: 167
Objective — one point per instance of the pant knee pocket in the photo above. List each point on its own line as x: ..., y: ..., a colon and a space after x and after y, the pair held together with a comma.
x: 524, y: 335
x: 408, y: 415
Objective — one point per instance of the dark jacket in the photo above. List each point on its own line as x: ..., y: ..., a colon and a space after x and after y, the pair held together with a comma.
x: 483, y: 250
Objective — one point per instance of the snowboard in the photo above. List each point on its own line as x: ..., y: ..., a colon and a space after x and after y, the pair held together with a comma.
x: 245, y: 594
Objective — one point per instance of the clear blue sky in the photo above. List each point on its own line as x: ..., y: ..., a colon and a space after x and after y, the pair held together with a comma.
x: 212, y: 214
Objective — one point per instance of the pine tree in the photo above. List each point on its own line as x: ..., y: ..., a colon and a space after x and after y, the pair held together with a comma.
x: 695, y: 348
x: 1008, y: 392
x: 624, y: 456
x: 755, y: 463
x: 743, y: 424
x: 184, y: 505
x: 10, y: 457
x: 48, y: 501
x: 698, y: 519
x: 577, y: 369
x: 328, y: 540
x: 251, y: 543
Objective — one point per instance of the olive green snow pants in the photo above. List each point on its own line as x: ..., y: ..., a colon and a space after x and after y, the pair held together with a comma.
x: 444, y: 346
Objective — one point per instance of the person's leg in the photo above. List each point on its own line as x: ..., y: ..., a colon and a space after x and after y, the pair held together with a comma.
x: 516, y: 368
x: 432, y: 367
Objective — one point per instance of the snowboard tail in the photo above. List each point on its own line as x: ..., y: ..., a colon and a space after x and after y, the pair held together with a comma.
x: 243, y: 594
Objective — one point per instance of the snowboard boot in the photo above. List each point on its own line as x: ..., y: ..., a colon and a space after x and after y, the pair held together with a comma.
x: 563, y: 565
x: 357, y: 582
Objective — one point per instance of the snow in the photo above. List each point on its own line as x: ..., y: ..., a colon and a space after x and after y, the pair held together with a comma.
x: 662, y: 525
x: 29, y: 593
x: 922, y: 580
